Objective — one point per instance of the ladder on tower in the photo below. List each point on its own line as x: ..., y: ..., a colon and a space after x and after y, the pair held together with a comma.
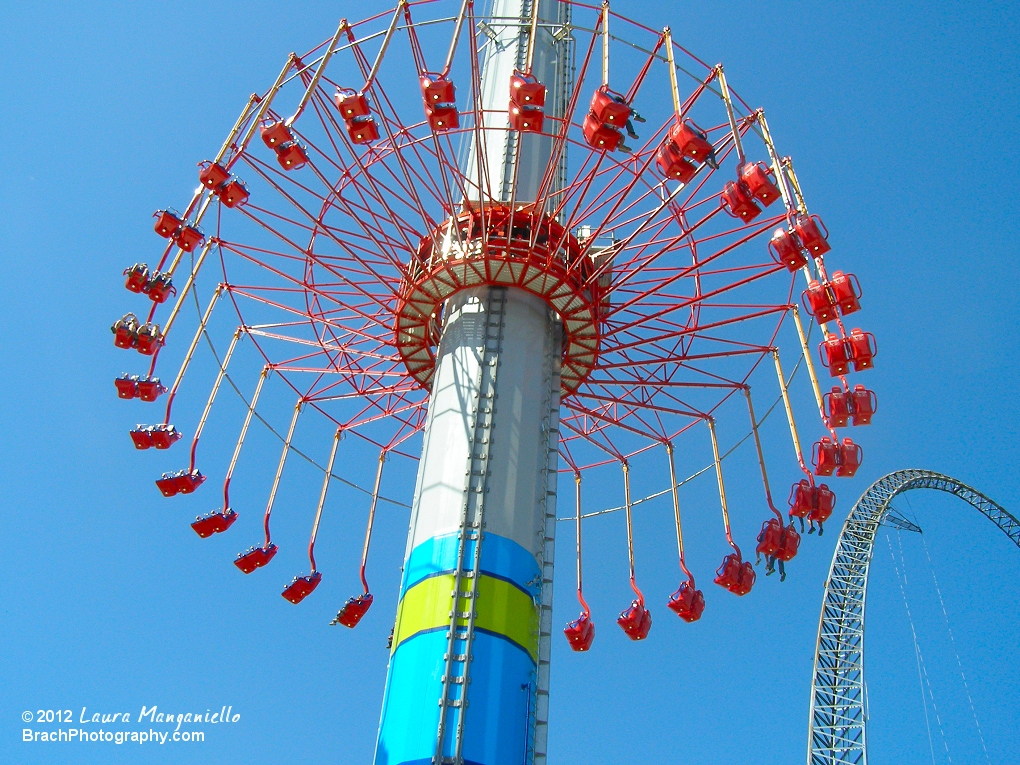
x: 453, y: 700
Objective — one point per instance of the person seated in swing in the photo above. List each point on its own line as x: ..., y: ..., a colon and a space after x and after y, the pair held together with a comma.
x: 629, y: 127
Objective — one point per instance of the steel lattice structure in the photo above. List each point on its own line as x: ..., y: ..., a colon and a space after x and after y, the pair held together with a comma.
x: 836, y: 727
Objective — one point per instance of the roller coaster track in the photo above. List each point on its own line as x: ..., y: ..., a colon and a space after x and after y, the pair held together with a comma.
x: 836, y: 727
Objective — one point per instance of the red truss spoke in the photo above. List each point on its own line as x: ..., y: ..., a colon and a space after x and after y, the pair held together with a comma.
x: 340, y: 269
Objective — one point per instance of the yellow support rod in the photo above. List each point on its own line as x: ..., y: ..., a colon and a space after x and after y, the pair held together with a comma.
x: 531, y: 36
x: 322, y: 497
x: 279, y: 469
x: 195, y: 221
x: 371, y: 518
x: 236, y: 130
x: 630, y: 528
x: 676, y: 507
x: 789, y: 409
x: 777, y: 164
x: 728, y: 101
x: 761, y: 454
x: 605, y: 42
x: 577, y: 519
x: 801, y: 205
x: 187, y: 288
x: 244, y: 432
x: 809, y: 361
x: 264, y: 104
x: 385, y: 44
x: 191, y: 350
x: 719, y: 479
x: 456, y: 37
x: 668, y: 36
x: 215, y: 389
x: 318, y: 74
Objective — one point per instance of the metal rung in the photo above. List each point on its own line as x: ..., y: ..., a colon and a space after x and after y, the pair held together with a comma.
x: 453, y: 703
x: 458, y: 680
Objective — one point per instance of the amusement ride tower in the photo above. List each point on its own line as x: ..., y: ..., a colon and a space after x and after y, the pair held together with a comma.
x: 437, y: 269
x: 484, y: 514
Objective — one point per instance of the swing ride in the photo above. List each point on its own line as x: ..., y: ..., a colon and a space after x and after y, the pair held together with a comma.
x: 491, y: 282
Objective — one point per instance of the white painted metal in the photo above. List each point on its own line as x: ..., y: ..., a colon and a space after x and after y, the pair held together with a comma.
x: 510, y: 25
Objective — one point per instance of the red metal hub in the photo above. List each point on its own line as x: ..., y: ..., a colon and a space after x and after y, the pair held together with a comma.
x: 489, y: 246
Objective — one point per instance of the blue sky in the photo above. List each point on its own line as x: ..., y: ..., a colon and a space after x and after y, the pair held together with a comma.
x: 901, y: 119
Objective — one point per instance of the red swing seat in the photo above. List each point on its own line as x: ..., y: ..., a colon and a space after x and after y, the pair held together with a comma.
x: 636, y: 621
x: 846, y: 290
x: 735, y: 575
x: 292, y: 156
x: 787, y: 249
x: 164, y: 436
x: 837, y: 408
x: 671, y: 163
x: 301, y: 587
x: 771, y: 538
x: 125, y: 331
x: 141, y: 437
x: 436, y: 89
x: 789, y: 542
x: 862, y: 349
x: 150, y: 388
x: 599, y: 135
x: 167, y: 223
x: 691, y: 141
x: 127, y: 386
x: 761, y: 182
x: 215, y: 522
x: 810, y: 230
x: 687, y: 602
x: 160, y: 287
x: 234, y: 193
x: 188, y: 238
x: 580, y: 633
x: 526, y: 119
x: 353, y: 610
x: 836, y: 354
x: 351, y: 104
x: 818, y: 301
x: 363, y: 130
x: 275, y: 134
x: 137, y: 279
x: 212, y: 174
x: 526, y: 90
x: 609, y: 108
x: 255, y: 557
x: 738, y: 202
x: 442, y: 117
x: 823, y: 506
x: 865, y: 404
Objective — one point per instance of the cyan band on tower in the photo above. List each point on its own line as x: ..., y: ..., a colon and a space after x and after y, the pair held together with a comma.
x: 504, y: 653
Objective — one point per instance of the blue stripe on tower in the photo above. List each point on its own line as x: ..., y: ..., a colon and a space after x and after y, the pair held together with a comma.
x: 502, y: 671
x: 501, y: 557
x: 500, y: 698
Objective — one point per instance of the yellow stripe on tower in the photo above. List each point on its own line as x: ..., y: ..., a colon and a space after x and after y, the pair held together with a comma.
x: 501, y: 608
